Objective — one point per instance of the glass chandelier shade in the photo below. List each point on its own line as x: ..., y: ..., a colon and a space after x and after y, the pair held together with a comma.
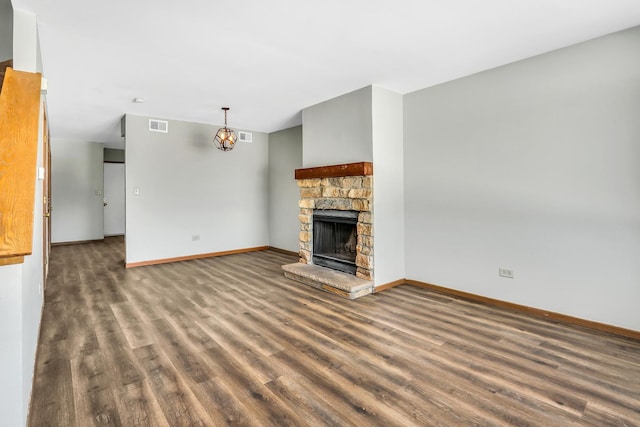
x: 225, y: 138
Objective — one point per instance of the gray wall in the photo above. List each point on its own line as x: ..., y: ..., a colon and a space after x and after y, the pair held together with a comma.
x: 534, y: 166
x: 388, y: 186
x: 6, y: 30
x: 285, y: 156
x: 77, y: 212
x: 31, y: 290
x: 338, y: 130
x: 189, y: 188
x: 26, y: 47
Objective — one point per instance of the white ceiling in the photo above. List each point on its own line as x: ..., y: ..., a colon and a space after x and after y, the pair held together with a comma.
x: 267, y: 60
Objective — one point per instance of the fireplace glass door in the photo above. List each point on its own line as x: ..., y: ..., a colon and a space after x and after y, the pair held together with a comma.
x: 334, y: 239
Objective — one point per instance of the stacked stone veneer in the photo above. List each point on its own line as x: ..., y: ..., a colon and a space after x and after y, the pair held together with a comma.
x: 350, y: 193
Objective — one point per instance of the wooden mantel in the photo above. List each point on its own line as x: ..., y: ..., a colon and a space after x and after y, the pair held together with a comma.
x: 19, y: 118
x: 347, y: 169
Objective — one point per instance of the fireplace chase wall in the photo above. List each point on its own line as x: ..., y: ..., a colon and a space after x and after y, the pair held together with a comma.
x: 339, y: 193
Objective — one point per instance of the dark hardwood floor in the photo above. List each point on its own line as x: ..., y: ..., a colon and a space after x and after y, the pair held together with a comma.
x: 229, y: 340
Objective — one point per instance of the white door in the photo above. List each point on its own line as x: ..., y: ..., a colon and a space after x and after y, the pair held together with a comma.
x: 113, y: 199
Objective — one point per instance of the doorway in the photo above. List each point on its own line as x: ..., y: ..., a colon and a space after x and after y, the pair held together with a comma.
x: 114, y: 205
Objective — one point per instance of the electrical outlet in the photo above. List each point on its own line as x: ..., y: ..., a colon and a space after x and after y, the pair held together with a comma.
x: 195, y: 237
x: 40, y: 288
x: 505, y: 272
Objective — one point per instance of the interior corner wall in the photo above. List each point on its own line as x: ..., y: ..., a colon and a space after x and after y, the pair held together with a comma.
x: 77, y: 211
x: 285, y: 156
x: 388, y: 186
x: 534, y: 167
x: 32, y: 285
x: 6, y: 30
x: 193, y: 199
x: 338, y: 131
x: 20, y: 314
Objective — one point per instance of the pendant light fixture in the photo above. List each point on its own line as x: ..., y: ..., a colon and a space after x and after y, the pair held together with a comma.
x: 225, y: 138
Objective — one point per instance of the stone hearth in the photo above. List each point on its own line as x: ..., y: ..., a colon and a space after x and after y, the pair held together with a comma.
x: 346, y: 187
x: 336, y: 282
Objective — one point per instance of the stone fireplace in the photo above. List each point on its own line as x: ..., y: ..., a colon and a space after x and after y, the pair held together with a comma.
x: 336, y: 229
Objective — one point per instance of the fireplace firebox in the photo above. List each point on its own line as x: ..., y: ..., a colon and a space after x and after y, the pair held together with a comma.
x: 335, y: 239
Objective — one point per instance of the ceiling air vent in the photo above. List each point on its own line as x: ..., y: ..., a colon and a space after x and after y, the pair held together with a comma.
x: 245, y: 136
x: 158, y: 125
